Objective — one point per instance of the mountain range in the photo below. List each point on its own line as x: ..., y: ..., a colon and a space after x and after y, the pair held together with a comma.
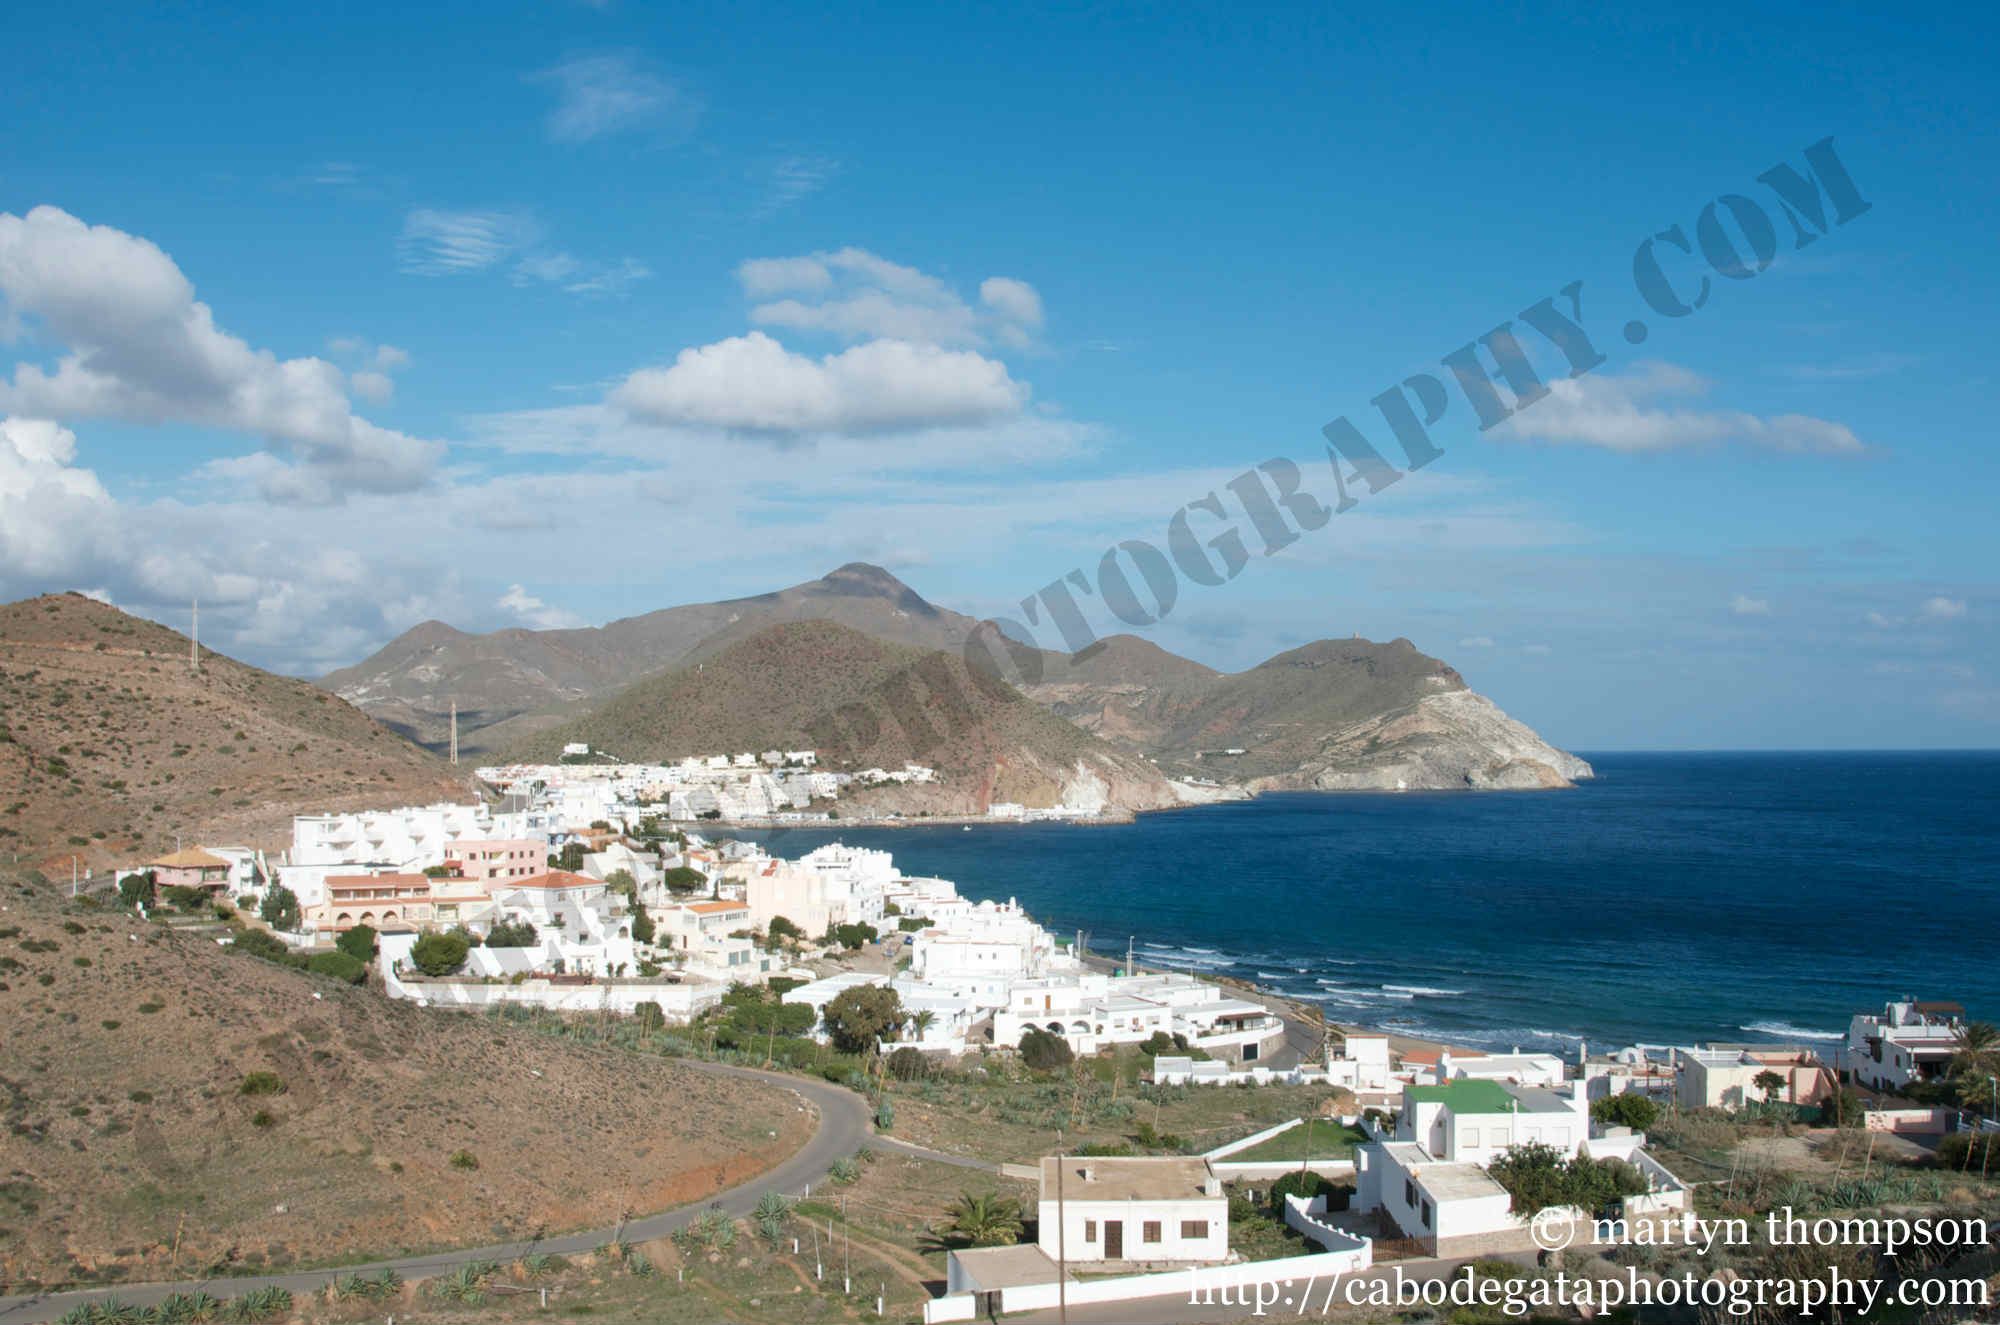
x: 1156, y: 728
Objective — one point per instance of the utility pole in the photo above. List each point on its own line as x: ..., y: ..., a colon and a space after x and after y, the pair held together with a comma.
x: 454, y: 731
x: 194, y: 640
x: 1062, y: 1240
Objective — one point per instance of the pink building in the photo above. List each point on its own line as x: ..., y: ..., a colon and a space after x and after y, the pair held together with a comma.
x: 496, y: 860
x: 192, y: 868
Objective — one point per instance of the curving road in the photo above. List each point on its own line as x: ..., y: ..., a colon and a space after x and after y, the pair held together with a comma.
x: 843, y: 1129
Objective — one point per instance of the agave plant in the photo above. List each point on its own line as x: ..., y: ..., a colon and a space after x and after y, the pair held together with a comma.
x: 111, y: 1311
x: 537, y: 1264
x: 76, y: 1315
x: 464, y: 1284
x: 385, y: 1283
x: 772, y: 1212
x: 640, y: 1265
x: 185, y: 1309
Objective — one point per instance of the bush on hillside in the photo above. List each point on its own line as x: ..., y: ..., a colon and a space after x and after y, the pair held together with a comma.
x: 339, y: 965
x: 439, y: 954
x: 358, y: 943
x: 1044, y: 1050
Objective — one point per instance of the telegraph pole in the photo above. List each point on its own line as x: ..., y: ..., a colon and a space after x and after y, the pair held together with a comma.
x: 194, y: 640
x: 1062, y: 1240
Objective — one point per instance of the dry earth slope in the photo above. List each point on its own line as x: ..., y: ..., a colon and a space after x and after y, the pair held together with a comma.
x: 110, y: 745
x: 131, y: 1151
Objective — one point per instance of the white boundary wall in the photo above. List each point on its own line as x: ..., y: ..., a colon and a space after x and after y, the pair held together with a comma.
x: 1207, y: 1282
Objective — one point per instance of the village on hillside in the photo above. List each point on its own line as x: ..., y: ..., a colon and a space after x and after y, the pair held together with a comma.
x: 588, y: 891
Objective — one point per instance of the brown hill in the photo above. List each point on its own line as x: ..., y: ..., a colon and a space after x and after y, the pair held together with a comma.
x: 864, y: 703
x: 514, y: 682
x: 134, y: 1153
x: 110, y: 745
x: 1341, y: 714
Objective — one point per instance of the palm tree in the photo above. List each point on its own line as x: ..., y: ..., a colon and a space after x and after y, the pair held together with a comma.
x: 986, y: 1220
x: 922, y: 1021
x: 1975, y: 1058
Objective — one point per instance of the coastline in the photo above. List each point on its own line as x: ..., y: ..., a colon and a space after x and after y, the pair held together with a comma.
x: 1293, y: 1010
x: 1110, y: 817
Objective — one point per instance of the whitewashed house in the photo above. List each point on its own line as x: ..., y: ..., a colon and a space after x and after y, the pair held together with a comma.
x: 1166, y: 1209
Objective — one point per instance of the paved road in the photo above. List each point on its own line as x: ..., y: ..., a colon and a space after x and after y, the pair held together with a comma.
x: 843, y: 1129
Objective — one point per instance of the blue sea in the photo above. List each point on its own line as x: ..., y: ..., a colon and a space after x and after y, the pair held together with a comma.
x: 1675, y: 899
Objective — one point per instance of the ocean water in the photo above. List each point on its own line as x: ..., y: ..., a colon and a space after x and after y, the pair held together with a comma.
x: 1675, y: 899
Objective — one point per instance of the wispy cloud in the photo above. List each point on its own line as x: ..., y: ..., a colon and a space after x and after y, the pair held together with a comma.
x: 533, y: 612
x: 1744, y: 605
x: 445, y: 243
x: 601, y: 95
x: 1628, y: 413
x: 790, y: 179
x: 435, y: 242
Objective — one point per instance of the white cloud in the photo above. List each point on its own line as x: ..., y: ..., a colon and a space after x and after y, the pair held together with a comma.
x: 1537, y: 650
x: 601, y: 95
x: 1881, y: 622
x: 856, y: 295
x: 372, y: 386
x: 1942, y: 609
x: 753, y: 384
x: 1476, y: 642
x: 141, y: 348
x: 533, y: 612
x: 1616, y: 413
x: 388, y: 358
x: 1745, y: 605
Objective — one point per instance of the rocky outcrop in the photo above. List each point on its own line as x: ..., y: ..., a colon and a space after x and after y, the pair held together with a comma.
x: 1455, y: 740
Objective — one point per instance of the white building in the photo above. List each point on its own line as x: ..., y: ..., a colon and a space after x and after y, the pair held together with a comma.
x: 1156, y: 1209
x: 1908, y: 1042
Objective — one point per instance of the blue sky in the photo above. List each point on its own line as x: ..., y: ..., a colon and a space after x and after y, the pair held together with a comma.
x: 552, y: 313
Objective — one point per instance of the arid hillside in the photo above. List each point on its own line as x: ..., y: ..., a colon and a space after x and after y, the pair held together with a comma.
x: 142, y: 1143
x: 110, y: 745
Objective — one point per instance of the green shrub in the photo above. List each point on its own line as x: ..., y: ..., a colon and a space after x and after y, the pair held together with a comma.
x: 1044, y: 1050
x: 464, y: 1159
x: 262, y: 1083
x: 339, y: 965
x: 439, y: 954
x: 358, y: 943
x: 1625, y: 1109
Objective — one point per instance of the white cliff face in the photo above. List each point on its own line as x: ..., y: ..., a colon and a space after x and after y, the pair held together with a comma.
x: 1202, y: 793
x: 1457, y: 739
x: 1085, y: 791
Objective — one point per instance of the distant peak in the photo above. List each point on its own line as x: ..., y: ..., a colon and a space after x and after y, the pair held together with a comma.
x: 861, y: 579
x: 864, y: 572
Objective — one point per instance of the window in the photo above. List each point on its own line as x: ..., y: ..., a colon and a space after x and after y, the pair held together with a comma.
x: 1090, y: 1230
x: 1468, y: 1136
x: 1427, y: 1214
x: 1195, y: 1230
x: 1409, y: 1192
x: 1150, y: 1232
